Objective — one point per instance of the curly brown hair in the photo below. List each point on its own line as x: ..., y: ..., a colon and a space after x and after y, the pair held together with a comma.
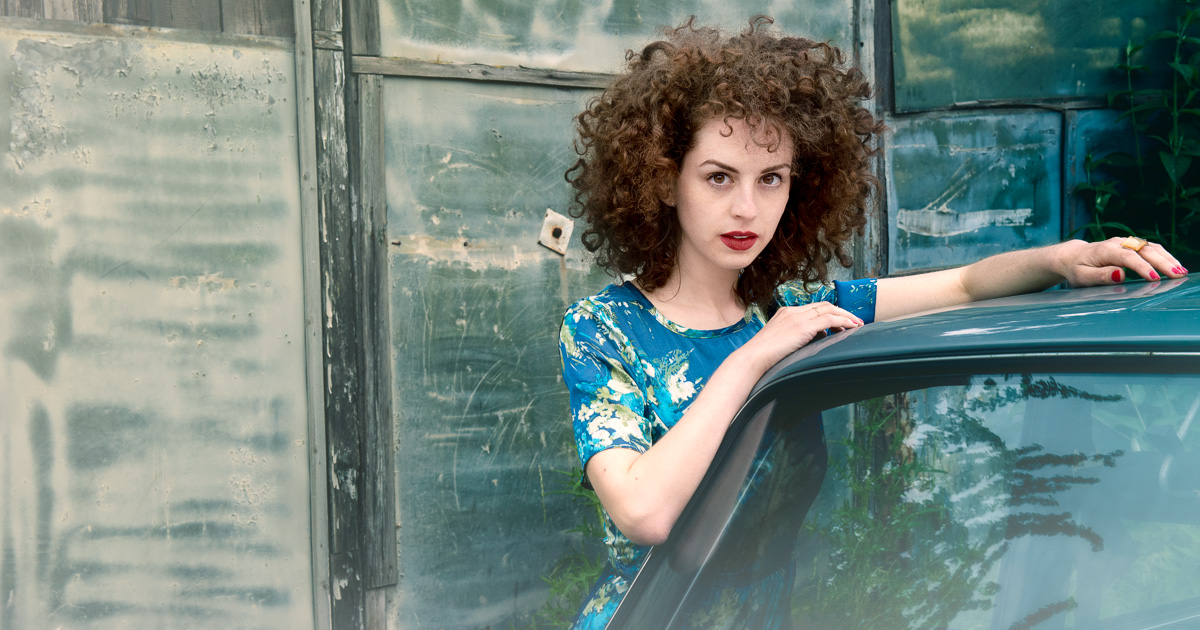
x: 633, y: 136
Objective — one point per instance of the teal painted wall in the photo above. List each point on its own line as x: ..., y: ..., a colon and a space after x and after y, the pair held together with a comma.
x: 965, y: 186
x: 153, y: 432
x: 951, y: 153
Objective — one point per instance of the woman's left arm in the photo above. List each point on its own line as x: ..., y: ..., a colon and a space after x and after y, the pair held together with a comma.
x: 1078, y: 262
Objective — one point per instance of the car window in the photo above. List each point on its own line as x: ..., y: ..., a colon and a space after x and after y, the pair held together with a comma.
x: 984, y: 501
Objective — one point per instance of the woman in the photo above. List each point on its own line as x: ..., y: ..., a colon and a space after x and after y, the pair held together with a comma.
x: 722, y: 174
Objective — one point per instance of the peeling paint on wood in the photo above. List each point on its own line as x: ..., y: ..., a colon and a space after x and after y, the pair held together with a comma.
x: 153, y: 434
x: 962, y: 187
x: 946, y: 222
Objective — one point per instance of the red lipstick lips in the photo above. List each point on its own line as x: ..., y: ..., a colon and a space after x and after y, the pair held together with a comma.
x: 739, y: 241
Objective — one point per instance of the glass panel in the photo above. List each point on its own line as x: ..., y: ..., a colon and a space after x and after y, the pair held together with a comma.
x: 951, y: 51
x: 574, y: 35
x: 153, y: 407
x: 476, y: 303
x: 998, y: 501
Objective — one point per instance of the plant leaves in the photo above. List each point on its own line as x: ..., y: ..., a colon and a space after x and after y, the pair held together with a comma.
x: 1120, y: 226
x: 1187, y: 72
x: 1176, y: 165
x: 1136, y: 109
x: 1120, y: 159
x: 1124, y: 67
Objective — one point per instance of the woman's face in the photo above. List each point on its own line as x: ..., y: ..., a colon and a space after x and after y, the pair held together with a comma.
x: 729, y: 196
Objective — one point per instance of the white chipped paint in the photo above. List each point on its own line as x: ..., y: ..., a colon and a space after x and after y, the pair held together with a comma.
x: 938, y: 219
x: 947, y: 222
x: 477, y: 255
x: 511, y: 100
x: 955, y: 149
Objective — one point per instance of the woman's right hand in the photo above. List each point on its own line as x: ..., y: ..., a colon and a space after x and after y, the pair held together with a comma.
x: 644, y: 493
x: 793, y: 327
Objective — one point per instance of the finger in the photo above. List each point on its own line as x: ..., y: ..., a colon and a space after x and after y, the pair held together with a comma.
x: 1087, y: 276
x: 815, y: 310
x: 833, y: 320
x: 1136, y: 261
x: 837, y: 316
x: 829, y: 309
x: 1162, y: 261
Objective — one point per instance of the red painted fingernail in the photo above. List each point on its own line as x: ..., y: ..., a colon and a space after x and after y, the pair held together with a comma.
x: 1176, y: 269
x: 1154, y: 275
x: 1117, y: 276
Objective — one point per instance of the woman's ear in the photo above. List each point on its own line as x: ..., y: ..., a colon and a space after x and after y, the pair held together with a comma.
x: 666, y: 192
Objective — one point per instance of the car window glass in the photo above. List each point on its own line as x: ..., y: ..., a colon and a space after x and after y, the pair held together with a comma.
x: 998, y: 501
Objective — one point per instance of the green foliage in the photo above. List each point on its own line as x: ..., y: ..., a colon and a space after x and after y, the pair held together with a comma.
x: 900, y: 552
x: 1154, y: 192
x: 883, y: 568
x: 576, y: 572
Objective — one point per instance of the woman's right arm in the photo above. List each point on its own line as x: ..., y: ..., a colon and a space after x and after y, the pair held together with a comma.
x: 645, y: 493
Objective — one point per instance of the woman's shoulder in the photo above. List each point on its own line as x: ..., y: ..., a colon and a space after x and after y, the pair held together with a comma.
x: 613, y: 304
x: 608, y: 319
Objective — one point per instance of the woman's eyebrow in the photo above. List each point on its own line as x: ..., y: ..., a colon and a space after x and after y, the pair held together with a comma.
x: 726, y: 167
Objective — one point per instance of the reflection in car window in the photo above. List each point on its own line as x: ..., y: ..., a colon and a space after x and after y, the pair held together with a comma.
x: 999, y: 501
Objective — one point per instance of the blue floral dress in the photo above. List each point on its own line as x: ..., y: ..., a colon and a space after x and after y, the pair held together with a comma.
x: 631, y: 374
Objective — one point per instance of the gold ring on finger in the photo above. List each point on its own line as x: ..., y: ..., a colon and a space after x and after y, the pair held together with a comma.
x: 1134, y: 243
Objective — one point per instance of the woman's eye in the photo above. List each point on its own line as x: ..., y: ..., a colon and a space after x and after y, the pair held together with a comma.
x: 772, y: 179
x: 719, y: 179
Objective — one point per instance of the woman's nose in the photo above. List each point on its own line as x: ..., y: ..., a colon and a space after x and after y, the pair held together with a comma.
x: 744, y: 203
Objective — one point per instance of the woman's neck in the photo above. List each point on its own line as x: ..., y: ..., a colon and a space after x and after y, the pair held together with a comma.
x: 698, y: 303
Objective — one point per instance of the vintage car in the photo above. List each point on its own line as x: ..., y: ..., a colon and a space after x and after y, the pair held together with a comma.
x: 1029, y: 462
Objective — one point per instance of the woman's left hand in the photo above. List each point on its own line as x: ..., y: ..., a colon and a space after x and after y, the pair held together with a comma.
x: 1104, y: 262
x: 1080, y: 263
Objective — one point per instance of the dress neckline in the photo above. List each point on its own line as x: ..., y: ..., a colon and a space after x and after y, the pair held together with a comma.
x: 684, y: 330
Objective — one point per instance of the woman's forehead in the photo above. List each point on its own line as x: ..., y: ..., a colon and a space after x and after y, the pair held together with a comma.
x: 734, y: 138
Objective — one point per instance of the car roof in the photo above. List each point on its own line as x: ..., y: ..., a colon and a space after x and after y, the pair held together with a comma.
x: 1137, y: 317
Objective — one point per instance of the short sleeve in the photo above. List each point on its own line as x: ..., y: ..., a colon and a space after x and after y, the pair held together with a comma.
x: 856, y: 296
x: 607, y: 406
